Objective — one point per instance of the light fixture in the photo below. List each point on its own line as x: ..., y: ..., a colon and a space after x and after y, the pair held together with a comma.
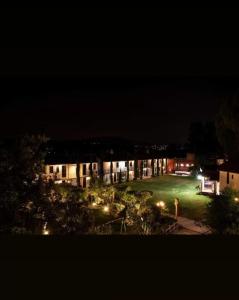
x: 160, y: 204
x: 94, y: 204
x: 105, y: 208
x: 199, y: 177
x: 46, y: 232
x: 236, y: 199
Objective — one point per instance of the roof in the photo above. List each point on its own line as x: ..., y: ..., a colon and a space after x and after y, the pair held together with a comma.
x: 232, y: 166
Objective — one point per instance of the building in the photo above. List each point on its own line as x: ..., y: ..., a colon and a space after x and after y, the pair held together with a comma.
x: 229, y: 176
x: 181, y: 164
x: 111, y: 172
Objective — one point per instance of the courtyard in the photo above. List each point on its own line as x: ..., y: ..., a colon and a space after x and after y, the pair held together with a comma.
x: 166, y: 188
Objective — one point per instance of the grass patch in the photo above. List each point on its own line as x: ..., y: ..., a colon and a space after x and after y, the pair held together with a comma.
x: 167, y: 188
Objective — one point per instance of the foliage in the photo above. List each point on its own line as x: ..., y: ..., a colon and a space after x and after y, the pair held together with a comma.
x: 223, y: 212
x: 136, y: 170
x: 120, y: 177
x: 141, y: 169
x: 144, y: 196
x: 111, y: 173
x: 21, y: 166
x: 158, y: 169
x: 72, y: 218
x: 227, y: 125
x: 152, y: 167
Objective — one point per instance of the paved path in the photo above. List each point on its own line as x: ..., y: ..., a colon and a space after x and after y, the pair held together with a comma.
x: 191, y: 226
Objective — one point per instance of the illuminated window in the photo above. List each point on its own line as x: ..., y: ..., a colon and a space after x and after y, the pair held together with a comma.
x: 51, y: 169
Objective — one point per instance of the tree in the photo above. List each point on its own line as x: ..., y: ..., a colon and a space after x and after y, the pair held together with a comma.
x: 141, y: 169
x: 111, y: 173
x: 78, y: 173
x: 223, y: 212
x: 93, y: 179
x: 157, y: 167
x: 127, y: 174
x: 74, y: 218
x: 152, y: 167
x: 101, y: 169
x: 120, y: 176
x: 136, y: 170
x: 162, y: 165
x: 91, y: 170
x: 21, y: 168
x: 227, y: 125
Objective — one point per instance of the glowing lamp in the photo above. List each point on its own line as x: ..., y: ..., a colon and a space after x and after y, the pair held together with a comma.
x: 105, y: 208
x: 236, y: 199
x: 160, y: 204
x: 94, y: 204
x: 199, y: 177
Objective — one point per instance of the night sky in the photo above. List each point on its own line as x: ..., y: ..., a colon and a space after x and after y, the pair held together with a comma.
x: 142, y: 94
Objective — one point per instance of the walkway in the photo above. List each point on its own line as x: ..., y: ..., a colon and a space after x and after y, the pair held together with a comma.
x: 191, y: 227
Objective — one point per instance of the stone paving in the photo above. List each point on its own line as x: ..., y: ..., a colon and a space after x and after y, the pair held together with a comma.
x: 189, y: 226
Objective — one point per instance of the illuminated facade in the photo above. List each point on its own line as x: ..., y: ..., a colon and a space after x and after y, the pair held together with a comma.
x: 110, y: 171
x: 229, y: 176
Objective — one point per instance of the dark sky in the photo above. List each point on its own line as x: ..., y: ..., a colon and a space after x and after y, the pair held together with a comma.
x: 141, y: 94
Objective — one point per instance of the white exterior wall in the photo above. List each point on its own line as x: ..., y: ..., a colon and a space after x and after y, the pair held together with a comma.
x: 233, y: 180
x: 71, y: 171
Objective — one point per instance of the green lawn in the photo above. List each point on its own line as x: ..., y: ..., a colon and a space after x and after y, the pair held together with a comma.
x: 166, y: 188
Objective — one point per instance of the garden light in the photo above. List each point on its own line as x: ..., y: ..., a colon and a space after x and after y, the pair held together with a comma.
x: 199, y: 177
x: 236, y: 199
x: 105, y: 208
x: 46, y: 232
x: 160, y: 204
x: 94, y: 204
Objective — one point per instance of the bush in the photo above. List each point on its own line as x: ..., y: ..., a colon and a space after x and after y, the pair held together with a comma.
x: 223, y: 212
